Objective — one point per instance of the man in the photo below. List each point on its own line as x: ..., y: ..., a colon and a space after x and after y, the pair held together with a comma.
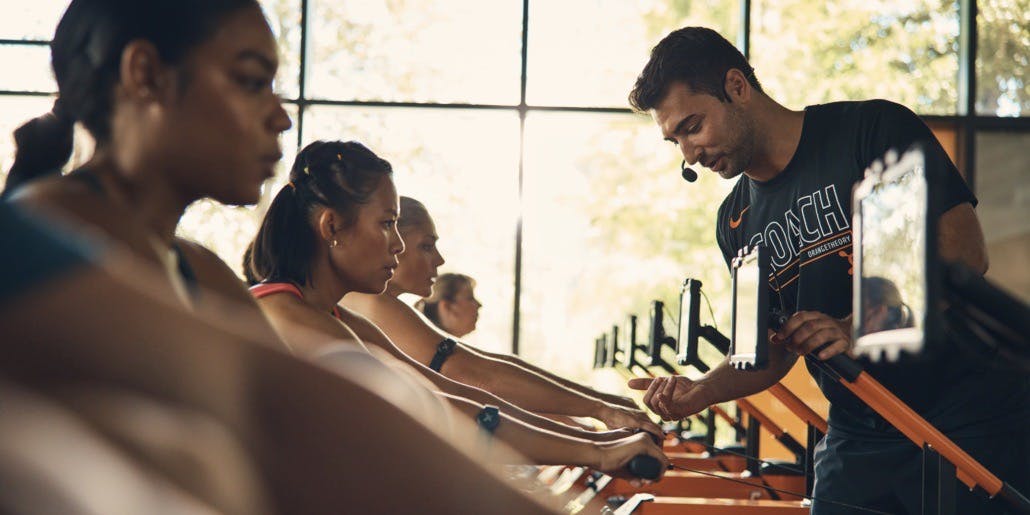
x: 795, y: 173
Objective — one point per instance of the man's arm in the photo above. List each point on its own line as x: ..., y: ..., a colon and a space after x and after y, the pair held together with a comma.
x: 959, y: 239
x: 677, y: 397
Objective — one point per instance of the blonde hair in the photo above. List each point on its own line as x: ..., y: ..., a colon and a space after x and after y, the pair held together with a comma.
x: 446, y: 288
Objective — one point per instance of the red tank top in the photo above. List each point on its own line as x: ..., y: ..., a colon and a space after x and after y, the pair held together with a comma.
x: 265, y: 289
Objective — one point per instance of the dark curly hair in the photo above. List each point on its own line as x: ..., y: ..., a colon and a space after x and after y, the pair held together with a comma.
x: 697, y: 56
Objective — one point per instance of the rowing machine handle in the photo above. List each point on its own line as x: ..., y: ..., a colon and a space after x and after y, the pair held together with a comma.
x: 645, y: 466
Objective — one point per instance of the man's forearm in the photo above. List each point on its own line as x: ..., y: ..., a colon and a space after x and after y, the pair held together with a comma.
x: 725, y: 383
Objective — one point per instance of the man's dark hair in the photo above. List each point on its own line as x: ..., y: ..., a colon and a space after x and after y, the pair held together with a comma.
x: 697, y: 56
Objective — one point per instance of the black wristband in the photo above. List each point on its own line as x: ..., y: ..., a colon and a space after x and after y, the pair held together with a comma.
x: 443, y: 351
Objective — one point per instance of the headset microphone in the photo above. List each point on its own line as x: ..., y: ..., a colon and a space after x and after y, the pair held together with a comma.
x: 689, y: 175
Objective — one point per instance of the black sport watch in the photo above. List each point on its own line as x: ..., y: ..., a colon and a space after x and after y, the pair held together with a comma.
x: 443, y: 351
x: 489, y: 418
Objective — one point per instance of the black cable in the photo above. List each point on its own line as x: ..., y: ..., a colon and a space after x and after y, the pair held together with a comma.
x: 710, y: 312
x: 745, y: 456
x: 668, y: 313
x: 803, y: 496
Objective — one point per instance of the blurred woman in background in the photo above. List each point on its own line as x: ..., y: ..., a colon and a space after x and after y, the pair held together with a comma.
x: 453, y: 306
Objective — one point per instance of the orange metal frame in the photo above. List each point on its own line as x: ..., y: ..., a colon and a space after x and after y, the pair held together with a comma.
x: 798, y: 407
x: 921, y: 432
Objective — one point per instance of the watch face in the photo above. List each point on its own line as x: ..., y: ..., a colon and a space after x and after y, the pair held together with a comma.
x: 489, y: 418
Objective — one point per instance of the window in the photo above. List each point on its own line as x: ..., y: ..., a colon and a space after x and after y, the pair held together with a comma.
x: 32, y: 21
x: 810, y: 52
x: 31, y: 66
x: 1003, y: 58
x: 1004, y: 208
x: 464, y: 51
x: 588, y: 52
x: 463, y: 165
x: 607, y: 224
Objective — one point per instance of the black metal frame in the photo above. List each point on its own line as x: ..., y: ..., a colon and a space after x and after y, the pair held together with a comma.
x: 966, y: 123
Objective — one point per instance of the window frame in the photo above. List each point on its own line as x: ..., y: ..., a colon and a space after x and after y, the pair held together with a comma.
x: 966, y: 122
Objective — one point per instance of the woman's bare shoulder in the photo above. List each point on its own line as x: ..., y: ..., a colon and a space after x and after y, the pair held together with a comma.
x: 366, y: 329
x: 81, y: 206
x: 211, y: 272
x: 306, y: 330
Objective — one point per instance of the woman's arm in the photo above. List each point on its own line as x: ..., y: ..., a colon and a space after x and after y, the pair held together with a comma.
x: 617, y: 400
x: 418, y: 337
x: 139, y: 340
x: 214, y: 276
x: 370, y: 334
x: 546, y: 448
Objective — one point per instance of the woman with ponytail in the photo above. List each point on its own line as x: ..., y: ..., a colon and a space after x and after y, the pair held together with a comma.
x: 502, y: 374
x: 331, y: 231
x: 177, y: 95
x: 452, y: 307
x: 44, y: 145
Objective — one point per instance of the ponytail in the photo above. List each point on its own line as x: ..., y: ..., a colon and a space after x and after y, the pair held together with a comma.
x: 285, y: 244
x: 44, y: 146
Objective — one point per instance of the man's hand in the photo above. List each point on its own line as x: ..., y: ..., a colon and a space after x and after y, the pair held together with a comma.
x: 672, y: 398
x: 616, y: 417
x: 806, y: 331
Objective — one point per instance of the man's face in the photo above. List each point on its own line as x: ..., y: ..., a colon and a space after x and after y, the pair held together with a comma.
x: 718, y: 135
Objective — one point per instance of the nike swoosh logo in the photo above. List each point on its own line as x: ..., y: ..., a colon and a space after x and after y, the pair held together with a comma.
x: 736, y: 223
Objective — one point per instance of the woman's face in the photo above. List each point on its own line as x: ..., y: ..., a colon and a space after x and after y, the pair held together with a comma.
x: 874, y: 318
x: 365, y: 256
x: 219, y: 135
x: 459, y: 316
x: 419, y: 261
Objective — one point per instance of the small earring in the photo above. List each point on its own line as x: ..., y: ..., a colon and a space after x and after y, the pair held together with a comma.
x: 333, y: 243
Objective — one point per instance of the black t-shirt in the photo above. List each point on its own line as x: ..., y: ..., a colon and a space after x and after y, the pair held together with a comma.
x: 803, y: 216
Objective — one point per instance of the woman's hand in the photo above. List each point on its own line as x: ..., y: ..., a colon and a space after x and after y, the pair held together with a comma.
x: 617, y: 417
x: 614, y: 456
